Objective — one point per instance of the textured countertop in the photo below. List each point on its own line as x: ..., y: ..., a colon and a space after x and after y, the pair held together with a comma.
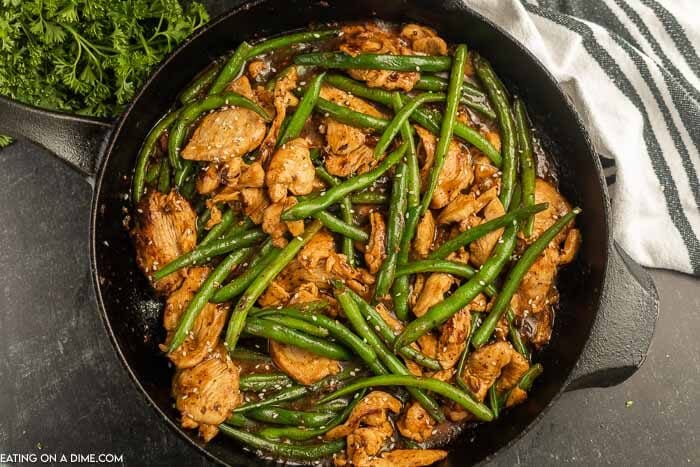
x: 63, y: 390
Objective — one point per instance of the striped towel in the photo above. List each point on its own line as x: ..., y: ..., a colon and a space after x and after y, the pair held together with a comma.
x: 633, y: 72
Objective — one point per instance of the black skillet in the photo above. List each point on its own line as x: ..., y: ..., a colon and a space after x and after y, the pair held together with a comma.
x: 608, y: 306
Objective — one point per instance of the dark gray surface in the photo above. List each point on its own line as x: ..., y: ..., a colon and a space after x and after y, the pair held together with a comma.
x: 64, y: 391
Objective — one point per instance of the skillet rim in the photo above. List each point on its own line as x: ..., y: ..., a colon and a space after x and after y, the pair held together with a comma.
x: 156, y: 75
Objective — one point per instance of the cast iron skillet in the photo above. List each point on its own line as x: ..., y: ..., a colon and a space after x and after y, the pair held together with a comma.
x: 608, y: 303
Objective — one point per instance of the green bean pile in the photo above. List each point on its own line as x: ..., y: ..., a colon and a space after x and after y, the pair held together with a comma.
x: 371, y: 333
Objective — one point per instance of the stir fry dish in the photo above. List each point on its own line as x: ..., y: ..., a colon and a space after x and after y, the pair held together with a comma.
x: 357, y: 237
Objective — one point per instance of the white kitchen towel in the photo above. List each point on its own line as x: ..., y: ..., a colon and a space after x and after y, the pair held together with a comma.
x: 631, y: 67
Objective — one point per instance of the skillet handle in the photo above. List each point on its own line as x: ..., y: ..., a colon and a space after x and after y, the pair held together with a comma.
x: 623, y: 329
x: 77, y: 140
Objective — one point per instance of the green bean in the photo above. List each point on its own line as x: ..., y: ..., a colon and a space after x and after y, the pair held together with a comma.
x: 202, y: 221
x: 342, y: 334
x: 472, y: 97
x: 401, y: 117
x: 248, y: 355
x: 263, y: 382
x: 332, y: 406
x: 183, y: 173
x: 193, y: 110
x: 479, y: 231
x: 238, y: 420
x: 303, y: 111
x: 400, y: 288
x: 282, y: 416
x: 303, y: 434
x: 304, y: 452
x: 152, y: 172
x: 515, y: 276
x: 515, y: 337
x: 527, y: 161
x: 494, y: 403
x: 528, y: 378
x: 260, y: 284
x: 238, y: 227
x: 164, y: 178
x: 285, y: 335
x: 218, y: 230
x: 201, y: 298
x: 336, y: 225
x: 231, y: 69
x: 338, y: 192
x: 395, y: 225
x: 299, y: 325
x: 350, y: 117
x: 308, y: 307
x: 267, y: 254
x: 499, y: 98
x: 296, y: 391
x: 427, y: 119
x: 375, y: 61
x: 475, y: 320
x: 147, y: 150
x: 447, y: 126
x: 215, y: 248
x: 353, y: 314
x: 199, y: 84
x: 346, y: 211
x: 187, y: 190
x: 444, y: 310
x: 369, y: 197
x: 387, y: 333
x: 479, y: 410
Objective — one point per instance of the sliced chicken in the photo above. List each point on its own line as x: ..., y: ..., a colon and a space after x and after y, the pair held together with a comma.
x: 283, y: 97
x: 456, y: 173
x: 481, y: 248
x: 302, y: 366
x: 165, y: 228
x: 424, y: 40
x: 372, y: 410
x: 416, y: 423
x: 208, y: 180
x: 204, y: 335
x: 255, y: 201
x: 358, y: 161
x: 409, y: 458
x: 453, y: 335
x: 227, y: 133
x: 433, y: 292
x: 545, y: 192
x: 290, y: 170
x: 425, y: 235
x: 207, y: 393
x: 376, y: 247
x: 317, y: 263
x: 372, y: 38
x: 490, y: 362
x: 277, y: 228
x: 368, y: 428
x: 466, y: 205
x: 486, y: 175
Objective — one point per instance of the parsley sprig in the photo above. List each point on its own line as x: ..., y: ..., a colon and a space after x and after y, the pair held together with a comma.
x: 87, y: 56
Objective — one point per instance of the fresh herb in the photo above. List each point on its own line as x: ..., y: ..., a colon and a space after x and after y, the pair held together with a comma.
x: 87, y: 56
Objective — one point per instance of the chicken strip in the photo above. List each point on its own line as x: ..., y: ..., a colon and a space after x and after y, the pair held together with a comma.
x: 207, y: 393
x: 204, y: 335
x: 165, y: 228
x: 227, y: 133
x: 376, y: 247
x: 302, y: 366
x: 433, y: 292
x: 425, y: 235
x: 456, y: 173
x: 290, y: 170
x: 283, y: 97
